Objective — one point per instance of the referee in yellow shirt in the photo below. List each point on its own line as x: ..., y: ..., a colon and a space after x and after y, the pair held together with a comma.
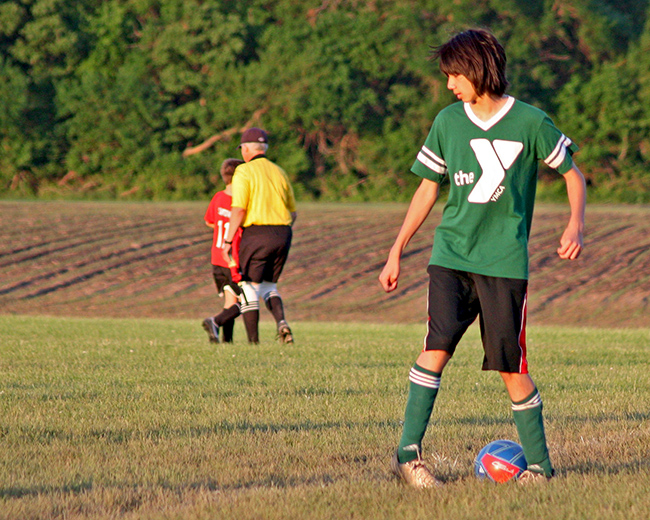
x: 263, y: 204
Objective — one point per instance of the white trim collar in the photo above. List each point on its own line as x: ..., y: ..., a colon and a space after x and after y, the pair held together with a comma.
x: 486, y: 125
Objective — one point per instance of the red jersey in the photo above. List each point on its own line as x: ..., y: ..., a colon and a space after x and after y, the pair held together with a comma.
x: 218, y: 213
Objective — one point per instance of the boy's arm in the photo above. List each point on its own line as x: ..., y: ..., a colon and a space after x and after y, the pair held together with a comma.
x: 571, y: 242
x: 237, y: 217
x: 423, y: 200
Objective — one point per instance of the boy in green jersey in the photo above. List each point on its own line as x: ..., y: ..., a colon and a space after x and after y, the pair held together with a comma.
x: 488, y: 145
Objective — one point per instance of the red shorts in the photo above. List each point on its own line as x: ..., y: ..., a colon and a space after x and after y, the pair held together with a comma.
x: 456, y: 298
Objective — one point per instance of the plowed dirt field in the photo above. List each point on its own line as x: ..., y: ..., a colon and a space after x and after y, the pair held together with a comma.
x: 152, y: 260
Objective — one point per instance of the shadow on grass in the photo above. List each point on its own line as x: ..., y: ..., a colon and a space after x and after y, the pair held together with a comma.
x: 270, y: 481
x: 130, y: 498
x: 487, y: 420
x: 603, y: 418
x: 20, y: 492
x: 595, y: 467
x: 245, y: 426
x: 120, y: 436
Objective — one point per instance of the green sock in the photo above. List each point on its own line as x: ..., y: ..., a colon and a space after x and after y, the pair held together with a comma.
x: 422, y: 394
x: 530, y: 426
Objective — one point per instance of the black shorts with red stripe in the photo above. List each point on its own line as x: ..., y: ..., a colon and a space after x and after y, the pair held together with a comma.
x: 457, y: 298
x: 223, y: 278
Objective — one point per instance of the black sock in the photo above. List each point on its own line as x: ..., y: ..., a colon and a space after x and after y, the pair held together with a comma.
x: 227, y: 329
x: 226, y: 315
x: 226, y: 320
x: 274, y: 304
x: 251, y: 320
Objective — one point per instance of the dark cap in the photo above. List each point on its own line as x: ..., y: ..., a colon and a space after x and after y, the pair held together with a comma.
x: 254, y: 135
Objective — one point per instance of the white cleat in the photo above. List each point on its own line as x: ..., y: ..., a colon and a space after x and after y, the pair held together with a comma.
x: 414, y: 473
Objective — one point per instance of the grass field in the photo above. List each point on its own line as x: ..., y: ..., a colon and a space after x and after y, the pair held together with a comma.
x: 143, y: 419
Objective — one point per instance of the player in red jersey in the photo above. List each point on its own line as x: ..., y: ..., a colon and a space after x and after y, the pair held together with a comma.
x: 226, y: 274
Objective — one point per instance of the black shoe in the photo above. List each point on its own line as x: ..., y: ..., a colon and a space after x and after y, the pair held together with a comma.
x: 211, y: 328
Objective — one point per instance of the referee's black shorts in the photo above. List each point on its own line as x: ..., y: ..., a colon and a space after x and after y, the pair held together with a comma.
x: 456, y: 298
x: 263, y: 252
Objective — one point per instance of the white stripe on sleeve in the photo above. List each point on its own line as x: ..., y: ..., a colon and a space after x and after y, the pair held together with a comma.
x: 432, y: 161
x: 554, y: 160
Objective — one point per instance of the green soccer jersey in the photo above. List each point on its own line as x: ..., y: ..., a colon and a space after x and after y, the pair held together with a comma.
x: 492, y: 170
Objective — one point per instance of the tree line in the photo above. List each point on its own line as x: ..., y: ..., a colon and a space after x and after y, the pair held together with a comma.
x: 143, y: 99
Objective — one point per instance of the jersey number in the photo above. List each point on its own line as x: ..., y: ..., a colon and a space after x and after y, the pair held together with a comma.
x: 494, y: 158
x: 222, y: 231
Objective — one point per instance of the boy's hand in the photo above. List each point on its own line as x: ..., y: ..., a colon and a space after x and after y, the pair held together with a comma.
x: 571, y: 244
x: 389, y: 275
x: 571, y: 241
x: 226, y: 252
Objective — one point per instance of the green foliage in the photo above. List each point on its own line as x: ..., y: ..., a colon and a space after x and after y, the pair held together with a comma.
x: 608, y: 114
x: 103, y: 97
x: 15, y: 152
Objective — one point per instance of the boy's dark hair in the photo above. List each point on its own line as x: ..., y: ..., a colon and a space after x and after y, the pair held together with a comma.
x: 228, y: 169
x: 477, y: 55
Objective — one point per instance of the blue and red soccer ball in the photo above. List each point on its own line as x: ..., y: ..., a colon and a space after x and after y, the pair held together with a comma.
x: 500, y: 461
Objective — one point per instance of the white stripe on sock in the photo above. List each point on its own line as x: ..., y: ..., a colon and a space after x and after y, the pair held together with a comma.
x: 422, y: 379
x: 533, y: 402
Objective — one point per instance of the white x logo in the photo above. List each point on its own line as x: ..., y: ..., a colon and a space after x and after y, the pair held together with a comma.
x: 494, y: 158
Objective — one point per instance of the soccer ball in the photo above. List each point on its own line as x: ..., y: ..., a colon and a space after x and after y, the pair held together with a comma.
x: 500, y: 461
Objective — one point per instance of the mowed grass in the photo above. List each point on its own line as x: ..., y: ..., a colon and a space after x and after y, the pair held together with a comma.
x: 145, y: 419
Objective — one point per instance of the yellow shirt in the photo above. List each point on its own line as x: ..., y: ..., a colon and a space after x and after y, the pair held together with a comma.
x: 263, y: 189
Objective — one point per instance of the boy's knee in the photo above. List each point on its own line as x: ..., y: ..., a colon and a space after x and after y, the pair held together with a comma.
x: 440, y: 341
x: 434, y: 360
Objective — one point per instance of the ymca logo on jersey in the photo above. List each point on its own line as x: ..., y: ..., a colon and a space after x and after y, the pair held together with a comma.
x: 494, y: 158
